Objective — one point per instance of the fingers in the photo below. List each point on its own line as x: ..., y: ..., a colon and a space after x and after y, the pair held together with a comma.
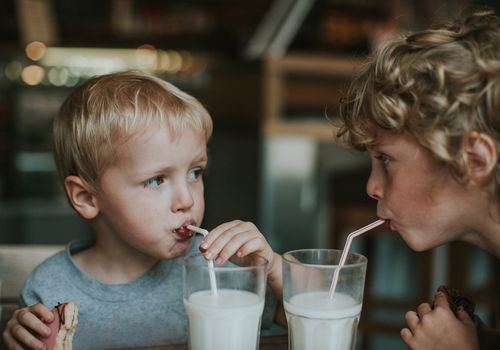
x: 34, y: 318
x: 423, y: 309
x: 464, y: 316
x: 406, y: 335
x: 229, y: 245
x: 238, y: 238
x: 20, y: 337
x: 214, y: 235
x: 226, y: 240
x: 26, y: 324
x: 9, y: 341
x: 440, y: 300
x: 438, y: 327
x: 414, y: 326
x: 412, y: 320
x: 250, y: 246
x: 42, y: 312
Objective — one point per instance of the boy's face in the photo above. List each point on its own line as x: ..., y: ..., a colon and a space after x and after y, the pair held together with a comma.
x: 153, y: 190
x: 416, y: 194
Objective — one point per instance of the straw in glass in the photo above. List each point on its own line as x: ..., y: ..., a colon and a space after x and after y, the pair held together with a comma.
x: 347, y: 246
x: 211, y: 270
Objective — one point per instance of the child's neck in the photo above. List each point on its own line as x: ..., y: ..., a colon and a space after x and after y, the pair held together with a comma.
x: 485, y: 233
x: 113, y: 266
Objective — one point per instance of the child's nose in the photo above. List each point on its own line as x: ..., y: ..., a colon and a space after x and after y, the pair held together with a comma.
x: 182, y: 200
x: 374, y: 186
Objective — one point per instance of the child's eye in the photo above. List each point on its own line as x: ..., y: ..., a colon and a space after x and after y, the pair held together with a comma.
x: 383, y: 159
x: 155, y: 181
x: 195, y: 174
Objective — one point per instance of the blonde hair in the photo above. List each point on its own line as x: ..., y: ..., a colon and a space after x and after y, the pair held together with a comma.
x: 109, y: 109
x: 436, y: 85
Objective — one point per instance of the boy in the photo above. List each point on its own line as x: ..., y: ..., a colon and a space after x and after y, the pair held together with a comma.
x: 427, y: 109
x: 131, y: 151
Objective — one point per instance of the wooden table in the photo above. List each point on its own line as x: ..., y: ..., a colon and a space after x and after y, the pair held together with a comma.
x: 266, y: 343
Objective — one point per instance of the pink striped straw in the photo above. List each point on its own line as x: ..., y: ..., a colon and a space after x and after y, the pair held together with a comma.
x: 347, y: 246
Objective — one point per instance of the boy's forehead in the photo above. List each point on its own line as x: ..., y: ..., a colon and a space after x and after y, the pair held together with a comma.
x: 383, y: 137
x: 148, y: 152
x: 379, y: 136
x: 171, y: 133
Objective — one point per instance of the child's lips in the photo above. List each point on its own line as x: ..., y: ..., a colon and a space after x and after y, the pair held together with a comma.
x: 388, y: 225
x: 184, y: 232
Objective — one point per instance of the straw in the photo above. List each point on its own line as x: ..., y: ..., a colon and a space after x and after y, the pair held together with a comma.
x: 211, y: 270
x: 347, y: 246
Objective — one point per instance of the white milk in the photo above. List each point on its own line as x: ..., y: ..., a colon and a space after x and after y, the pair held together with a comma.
x: 316, y: 322
x: 228, y: 321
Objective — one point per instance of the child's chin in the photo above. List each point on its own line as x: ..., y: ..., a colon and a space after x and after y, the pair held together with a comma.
x: 175, y: 252
x: 417, y: 246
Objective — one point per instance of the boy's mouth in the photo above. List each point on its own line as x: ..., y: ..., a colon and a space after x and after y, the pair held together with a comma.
x: 388, y: 225
x: 183, y: 231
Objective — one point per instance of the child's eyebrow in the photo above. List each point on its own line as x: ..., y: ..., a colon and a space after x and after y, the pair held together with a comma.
x: 156, y: 171
x: 201, y: 158
x: 372, y: 146
x: 169, y: 168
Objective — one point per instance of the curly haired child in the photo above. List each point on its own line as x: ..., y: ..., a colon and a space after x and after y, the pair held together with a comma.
x: 427, y: 109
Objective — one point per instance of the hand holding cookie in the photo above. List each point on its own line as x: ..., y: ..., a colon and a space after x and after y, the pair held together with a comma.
x: 62, y: 327
x: 443, y: 324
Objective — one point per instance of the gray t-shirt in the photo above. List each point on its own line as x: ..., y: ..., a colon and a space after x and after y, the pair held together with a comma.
x: 145, y: 312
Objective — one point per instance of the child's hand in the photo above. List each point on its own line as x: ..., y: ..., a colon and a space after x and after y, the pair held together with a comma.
x: 240, y: 238
x: 25, y: 324
x: 438, y: 328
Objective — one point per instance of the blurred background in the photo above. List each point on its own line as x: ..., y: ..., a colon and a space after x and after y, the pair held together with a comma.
x: 271, y: 74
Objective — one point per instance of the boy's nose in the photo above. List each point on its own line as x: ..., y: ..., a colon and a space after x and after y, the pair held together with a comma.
x: 182, y: 199
x: 374, y: 187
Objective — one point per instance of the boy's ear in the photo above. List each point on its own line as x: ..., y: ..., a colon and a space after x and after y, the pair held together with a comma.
x: 81, y: 196
x: 482, y: 156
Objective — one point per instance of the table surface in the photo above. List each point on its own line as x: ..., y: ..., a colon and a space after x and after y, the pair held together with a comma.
x: 266, y: 343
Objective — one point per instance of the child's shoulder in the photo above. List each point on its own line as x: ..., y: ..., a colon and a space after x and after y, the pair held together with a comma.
x: 49, y: 267
x: 47, y: 276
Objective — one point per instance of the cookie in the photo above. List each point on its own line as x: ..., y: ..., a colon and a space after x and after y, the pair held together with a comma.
x: 456, y: 299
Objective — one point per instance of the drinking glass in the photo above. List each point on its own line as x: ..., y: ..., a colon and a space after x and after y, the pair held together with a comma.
x: 315, y: 319
x: 230, y: 318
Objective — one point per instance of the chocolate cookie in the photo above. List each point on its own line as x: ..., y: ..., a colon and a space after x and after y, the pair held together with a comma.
x: 456, y: 299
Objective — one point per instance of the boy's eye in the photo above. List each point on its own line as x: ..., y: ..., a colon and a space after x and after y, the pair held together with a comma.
x: 195, y: 174
x: 383, y: 159
x: 155, y: 182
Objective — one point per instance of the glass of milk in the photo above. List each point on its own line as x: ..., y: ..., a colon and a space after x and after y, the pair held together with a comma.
x: 230, y: 318
x: 316, y: 321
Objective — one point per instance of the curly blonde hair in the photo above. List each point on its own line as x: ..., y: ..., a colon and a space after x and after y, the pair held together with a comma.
x: 437, y: 85
x: 107, y: 110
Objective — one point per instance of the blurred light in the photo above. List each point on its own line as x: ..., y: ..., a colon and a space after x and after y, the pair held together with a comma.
x: 175, y: 61
x: 35, y: 50
x: 13, y: 70
x: 146, y: 57
x: 32, y: 75
x: 147, y: 47
x: 54, y: 78
x: 63, y: 75
x: 72, y: 80
x: 187, y: 61
x: 87, y: 62
x: 83, y: 63
x: 163, y: 61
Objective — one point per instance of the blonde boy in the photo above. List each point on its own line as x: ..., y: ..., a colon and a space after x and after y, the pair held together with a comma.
x: 131, y: 152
